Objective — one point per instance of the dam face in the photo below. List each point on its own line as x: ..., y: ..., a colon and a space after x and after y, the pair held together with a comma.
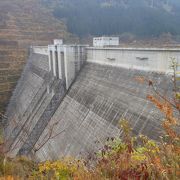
x: 69, y: 100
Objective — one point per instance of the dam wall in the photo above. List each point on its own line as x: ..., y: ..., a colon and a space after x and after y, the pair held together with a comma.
x: 25, y: 107
x: 70, y: 99
x: 40, y: 50
x: 38, y: 94
x: 148, y: 59
x: 91, y: 111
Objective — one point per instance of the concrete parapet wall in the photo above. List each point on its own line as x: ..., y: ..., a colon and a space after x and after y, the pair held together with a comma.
x: 40, y: 50
x: 148, y: 59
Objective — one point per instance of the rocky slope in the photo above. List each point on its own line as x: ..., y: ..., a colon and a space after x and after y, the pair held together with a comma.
x: 22, y: 23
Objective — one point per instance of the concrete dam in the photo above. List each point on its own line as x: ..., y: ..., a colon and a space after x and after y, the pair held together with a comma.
x: 70, y: 98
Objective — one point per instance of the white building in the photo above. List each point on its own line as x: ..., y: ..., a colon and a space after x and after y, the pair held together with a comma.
x: 58, y: 42
x: 105, y: 41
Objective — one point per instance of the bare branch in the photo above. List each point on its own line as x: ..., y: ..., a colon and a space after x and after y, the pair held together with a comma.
x: 50, y: 136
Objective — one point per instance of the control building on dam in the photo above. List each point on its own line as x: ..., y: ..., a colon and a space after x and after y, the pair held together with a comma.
x: 70, y: 98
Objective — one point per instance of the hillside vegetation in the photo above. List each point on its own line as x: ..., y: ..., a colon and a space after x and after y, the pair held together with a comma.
x: 23, y: 23
x: 143, y: 18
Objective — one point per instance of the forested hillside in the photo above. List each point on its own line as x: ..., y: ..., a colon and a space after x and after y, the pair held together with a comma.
x: 143, y: 18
